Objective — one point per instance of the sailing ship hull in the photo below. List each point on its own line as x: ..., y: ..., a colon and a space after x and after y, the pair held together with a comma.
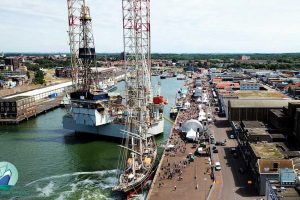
x: 134, y: 188
x: 108, y: 130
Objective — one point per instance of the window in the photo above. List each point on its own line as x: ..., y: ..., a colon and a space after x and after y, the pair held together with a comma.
x: 275, y: 165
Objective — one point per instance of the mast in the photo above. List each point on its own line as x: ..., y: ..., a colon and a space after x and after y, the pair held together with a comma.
x: 82, y: 48
x: 136, y: 38
x: 136, y: 33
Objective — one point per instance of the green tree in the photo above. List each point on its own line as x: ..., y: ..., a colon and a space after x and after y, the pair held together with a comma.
x: 28, y: 74
x: 1, y: 77
x: 39, y: 77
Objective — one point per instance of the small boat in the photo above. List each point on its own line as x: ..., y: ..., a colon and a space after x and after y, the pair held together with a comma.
x: 173, y: 112
x: 181, y: 77
x: 163, y: 76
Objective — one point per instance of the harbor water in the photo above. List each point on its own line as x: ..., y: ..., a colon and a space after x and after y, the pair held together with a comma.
x: 54, y: 163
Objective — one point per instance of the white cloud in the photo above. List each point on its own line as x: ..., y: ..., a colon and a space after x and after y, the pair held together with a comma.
x: 177, y: 26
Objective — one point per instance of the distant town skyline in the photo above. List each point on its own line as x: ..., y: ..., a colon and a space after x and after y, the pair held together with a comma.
x: 193, y: 26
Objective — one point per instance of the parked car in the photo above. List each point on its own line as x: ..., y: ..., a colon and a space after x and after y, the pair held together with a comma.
x: 215, y: 151
x: 233, y: 150
x: 232, y: 136
x: 217, y: 166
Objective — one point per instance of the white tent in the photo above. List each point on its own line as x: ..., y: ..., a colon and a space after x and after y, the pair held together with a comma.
x: 187, y: 104
x: 191, y: 135
x: 202, y: 116
x: 192, y: 124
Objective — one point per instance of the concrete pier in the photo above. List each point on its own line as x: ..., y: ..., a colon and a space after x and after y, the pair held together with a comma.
x: 41, y: 106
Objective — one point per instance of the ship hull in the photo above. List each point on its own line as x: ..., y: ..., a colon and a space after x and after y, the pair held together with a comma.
x: 108, y: 130
x: 173, y: 115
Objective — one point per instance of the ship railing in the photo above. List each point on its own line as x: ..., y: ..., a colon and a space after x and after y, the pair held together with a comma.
x: 130, y: 150
x: 132, y: 134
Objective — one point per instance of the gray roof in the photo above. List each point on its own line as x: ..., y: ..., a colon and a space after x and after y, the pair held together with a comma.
x: 17, y: 98
x: 259, y: 103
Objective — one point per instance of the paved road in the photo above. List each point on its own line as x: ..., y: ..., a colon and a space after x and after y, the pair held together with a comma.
x: 234, y: 184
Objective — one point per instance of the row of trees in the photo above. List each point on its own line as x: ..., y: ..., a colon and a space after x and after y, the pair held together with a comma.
x: 291, y: 66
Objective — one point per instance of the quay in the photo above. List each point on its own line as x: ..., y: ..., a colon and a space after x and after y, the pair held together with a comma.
x: 19, y: 107
x: 178, y: 176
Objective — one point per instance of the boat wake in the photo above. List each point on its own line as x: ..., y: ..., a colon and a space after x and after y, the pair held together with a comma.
x: 78, y: 185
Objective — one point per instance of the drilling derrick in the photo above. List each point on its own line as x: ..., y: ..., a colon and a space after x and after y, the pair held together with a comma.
x: 82, y: 48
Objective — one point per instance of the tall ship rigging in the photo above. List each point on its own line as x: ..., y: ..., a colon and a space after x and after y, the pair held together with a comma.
x: 138, y: 150
x: 93, y: 109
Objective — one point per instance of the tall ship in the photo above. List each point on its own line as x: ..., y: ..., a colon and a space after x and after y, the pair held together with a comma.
x: 94, y: 109
x: 138, y: 154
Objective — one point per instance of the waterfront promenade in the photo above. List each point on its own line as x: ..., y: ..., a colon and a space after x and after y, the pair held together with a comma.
x: 177, y: 177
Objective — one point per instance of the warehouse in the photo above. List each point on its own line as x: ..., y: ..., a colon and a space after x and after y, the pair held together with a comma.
x: 253, y: 109
x: 17, y: 107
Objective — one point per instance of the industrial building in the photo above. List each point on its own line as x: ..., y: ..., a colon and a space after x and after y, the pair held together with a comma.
x: 17, y: 107
x: 249, y: 85
x: 254, y: 109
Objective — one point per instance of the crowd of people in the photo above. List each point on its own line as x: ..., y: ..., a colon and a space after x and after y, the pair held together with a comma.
x: 177, y: 157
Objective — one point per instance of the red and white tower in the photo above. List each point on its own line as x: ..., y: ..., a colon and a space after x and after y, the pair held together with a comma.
x: 82, y: 48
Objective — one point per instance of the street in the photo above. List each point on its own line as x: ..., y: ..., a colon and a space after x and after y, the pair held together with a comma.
x: 234, y: 185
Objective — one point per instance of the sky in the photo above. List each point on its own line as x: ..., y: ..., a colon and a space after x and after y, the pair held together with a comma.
x: 178, y: 26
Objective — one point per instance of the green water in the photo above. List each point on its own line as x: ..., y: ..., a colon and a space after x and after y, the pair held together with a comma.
x: 54, y: 163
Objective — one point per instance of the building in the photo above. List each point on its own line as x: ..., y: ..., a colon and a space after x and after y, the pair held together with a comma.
x: 244, y: 57
x: 287, y: 119
x: 264, y: 160
x: 249, y: 85
x: 16, y: 107
x: 280, y: 120
x: 10, y: 61
x: 65, y: 72
x: 254, y: 109
x: 284, y: 188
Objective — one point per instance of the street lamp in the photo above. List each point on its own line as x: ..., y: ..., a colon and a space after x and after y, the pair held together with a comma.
x: 205, y: 179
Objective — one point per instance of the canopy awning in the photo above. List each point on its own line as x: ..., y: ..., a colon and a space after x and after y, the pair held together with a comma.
x: 191, y: 135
